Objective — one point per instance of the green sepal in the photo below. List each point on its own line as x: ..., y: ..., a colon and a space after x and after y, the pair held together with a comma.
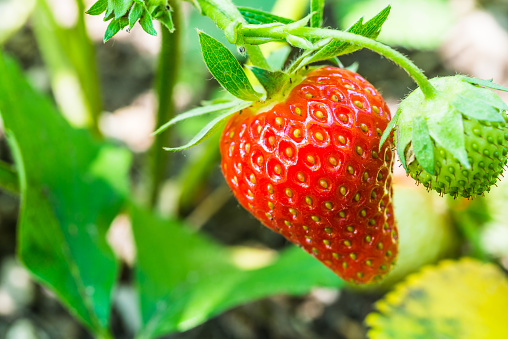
x: 257, y: 17
x: 389, y: 129
x: 272, y: 81
x: 121, y: 7
x: 213, y: 126
x: 336, y: 62
x: 477, y: 108
x: 334, y: 48
x: 135, y: 14
x: 404, y: 135
x: 226, y: 69
x: 316, y: 7
x: 422, y: 144
x: 484, y: 83
x: 353, y: 67
x: 298, y: 42
x: 303, y: 22
x: 98, y: 8
x: 163, y: 15
x: 114, y: 27
x: 447, y: 129
x: 200, y: 111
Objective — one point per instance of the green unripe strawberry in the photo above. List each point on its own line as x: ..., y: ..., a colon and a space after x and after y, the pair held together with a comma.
x: 456, y: 140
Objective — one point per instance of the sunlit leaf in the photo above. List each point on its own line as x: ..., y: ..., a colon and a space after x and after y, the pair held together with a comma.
x: 185, y: 278
x: 463, y: 299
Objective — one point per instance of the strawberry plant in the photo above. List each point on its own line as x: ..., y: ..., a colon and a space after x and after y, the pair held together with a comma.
x: 306, y: 145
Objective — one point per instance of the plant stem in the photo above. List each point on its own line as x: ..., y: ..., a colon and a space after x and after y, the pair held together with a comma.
x: 166, y: 79
x: 281, y: 32
x: 224, y: 13
x: 70, y: 57
x: 8, y: 178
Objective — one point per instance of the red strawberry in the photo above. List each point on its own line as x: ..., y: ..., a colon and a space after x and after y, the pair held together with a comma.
x: 309, y: 169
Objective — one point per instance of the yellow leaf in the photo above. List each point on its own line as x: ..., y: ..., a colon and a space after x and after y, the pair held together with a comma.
x: 464, y: 299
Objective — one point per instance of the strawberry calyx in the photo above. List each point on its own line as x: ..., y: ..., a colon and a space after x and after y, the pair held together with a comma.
x: 449, y: 128
x: 126, y: 13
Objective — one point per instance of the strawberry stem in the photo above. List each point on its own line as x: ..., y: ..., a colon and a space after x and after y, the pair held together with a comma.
x: 281, y: 32
x: 224, y: 14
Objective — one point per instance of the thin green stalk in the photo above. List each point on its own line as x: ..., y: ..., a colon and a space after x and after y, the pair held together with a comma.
x: 9, y: 178
x: 251, y: 33
x: 84, y: 61
x: 166, y: 80
x: 69, y: 54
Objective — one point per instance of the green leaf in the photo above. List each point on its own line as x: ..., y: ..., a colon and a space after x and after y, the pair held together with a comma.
x: 334, y: 48
x: 213, y: 126
x: 184, y: 278
x: 9, y: 181
x: 484, y: 95
x: 271, y: 81
x: 477, y: 108
x: 98, y: 8
x: 226, y: 69
x: 71, y: 189
x: 446, y: 128
x: 114, y: 27
x: 110, y: 13
x: 121, y: 7
x: 316, y: 7
x: 484, y: 83
x: 135, y: 14
x: 147, y: 24
x: 438, y: 302
x: 257, y: 17
x: 423, y: 147
x: 199, y: 111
